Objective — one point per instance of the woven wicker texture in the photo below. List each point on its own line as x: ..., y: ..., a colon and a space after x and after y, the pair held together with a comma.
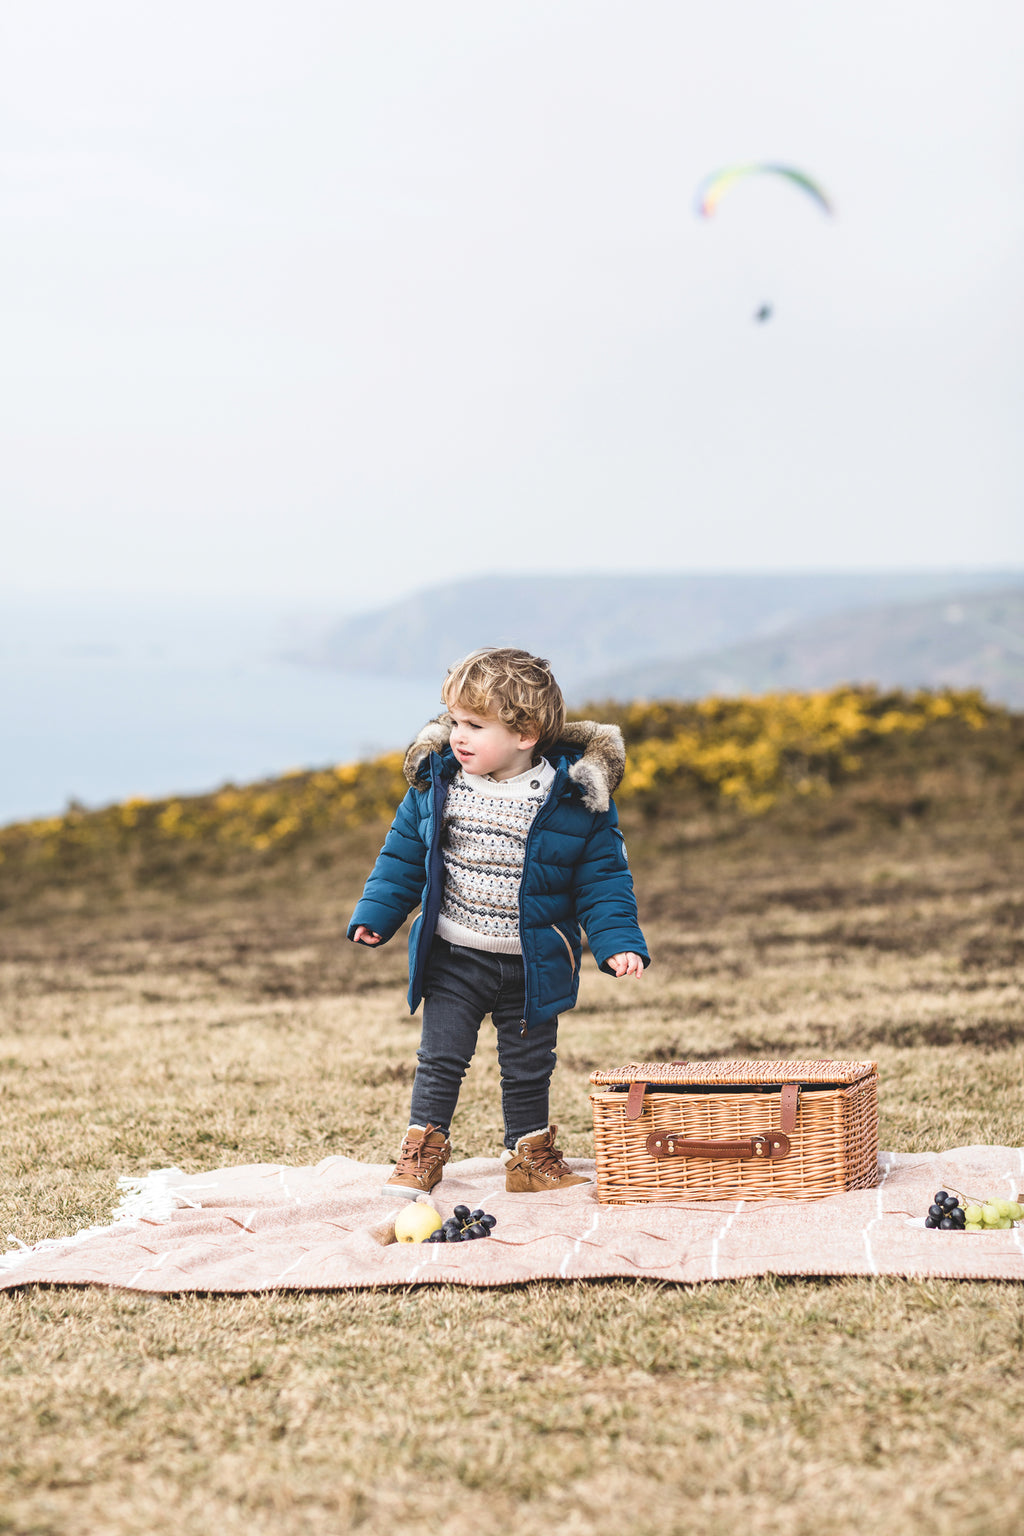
x: 834, y: 1145
x: 820, y: 1071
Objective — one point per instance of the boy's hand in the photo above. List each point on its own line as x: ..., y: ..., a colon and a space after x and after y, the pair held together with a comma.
x: 627, y: 964
x: 364, y: 935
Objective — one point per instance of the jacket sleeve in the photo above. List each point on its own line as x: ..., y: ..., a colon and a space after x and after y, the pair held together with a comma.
x: 396, y: 881
x: 604, y: 897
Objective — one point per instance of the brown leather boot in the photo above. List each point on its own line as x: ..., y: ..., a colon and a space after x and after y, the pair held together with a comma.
x: 538, y: 1164
x: 425, y: 1150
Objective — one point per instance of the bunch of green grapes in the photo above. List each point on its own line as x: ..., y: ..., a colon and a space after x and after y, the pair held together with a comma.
x: 992, y: 1215
x: 962, y: 1213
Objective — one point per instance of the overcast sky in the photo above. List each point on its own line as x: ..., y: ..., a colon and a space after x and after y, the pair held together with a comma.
x: 337, y: 299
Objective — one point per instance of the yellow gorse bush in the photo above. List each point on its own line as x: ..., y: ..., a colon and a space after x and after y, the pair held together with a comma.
x: 253, y: 818
x: 747, y: 752
x: 752, y: 750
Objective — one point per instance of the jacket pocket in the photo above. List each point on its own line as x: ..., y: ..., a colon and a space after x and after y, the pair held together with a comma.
x: 565, y: 941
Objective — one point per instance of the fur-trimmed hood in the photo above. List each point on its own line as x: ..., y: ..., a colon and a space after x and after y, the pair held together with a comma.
x: 594, y: 754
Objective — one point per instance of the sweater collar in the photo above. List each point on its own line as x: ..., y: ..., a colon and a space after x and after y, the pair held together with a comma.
x: 593, y: 755
x: 536, y: 780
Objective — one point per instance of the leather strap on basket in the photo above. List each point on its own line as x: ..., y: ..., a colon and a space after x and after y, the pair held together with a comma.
x: 769, y: 1147
x: 635, y: 1101
x: 790, y: 1103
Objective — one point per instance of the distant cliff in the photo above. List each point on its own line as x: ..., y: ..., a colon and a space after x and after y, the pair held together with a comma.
x: 966, y: 640
x: 599, y: 630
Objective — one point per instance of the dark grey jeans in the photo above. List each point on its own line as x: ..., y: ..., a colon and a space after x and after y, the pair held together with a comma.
x: 459, y: 988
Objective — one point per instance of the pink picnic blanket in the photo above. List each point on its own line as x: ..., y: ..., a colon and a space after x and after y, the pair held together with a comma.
x: 268, y: 1227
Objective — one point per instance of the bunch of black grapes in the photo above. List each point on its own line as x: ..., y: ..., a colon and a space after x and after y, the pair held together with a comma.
x: 463, y: 1225
x: 946, y: 1213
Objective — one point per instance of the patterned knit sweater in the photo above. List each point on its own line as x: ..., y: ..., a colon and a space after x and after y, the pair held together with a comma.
x: 486, y: 823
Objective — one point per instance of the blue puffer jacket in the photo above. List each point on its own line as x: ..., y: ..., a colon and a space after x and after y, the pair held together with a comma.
x: 575, y: 870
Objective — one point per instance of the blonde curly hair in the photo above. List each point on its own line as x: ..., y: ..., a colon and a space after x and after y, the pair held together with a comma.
x: 509, y: 685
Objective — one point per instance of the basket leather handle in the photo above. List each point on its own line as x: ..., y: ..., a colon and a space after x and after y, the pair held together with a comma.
x: 790, y: 1103
x: 770, y: 1147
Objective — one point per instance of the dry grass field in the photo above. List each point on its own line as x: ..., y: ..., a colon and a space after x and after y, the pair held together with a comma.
x: 221, y: 1019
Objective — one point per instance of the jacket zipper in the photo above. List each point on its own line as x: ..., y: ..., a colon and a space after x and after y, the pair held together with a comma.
x: 439, y: 793
x: 526, y: 854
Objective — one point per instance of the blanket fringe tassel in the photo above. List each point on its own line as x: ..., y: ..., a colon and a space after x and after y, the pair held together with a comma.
x: 146, y: 1199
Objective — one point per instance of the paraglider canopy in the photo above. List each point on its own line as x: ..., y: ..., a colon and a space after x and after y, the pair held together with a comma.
x: 714, y: 187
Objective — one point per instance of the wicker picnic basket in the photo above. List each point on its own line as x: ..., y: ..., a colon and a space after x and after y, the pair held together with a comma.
x: 734, y: 1130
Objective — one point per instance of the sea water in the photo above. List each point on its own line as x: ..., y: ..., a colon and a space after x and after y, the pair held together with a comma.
x: 102, y: 702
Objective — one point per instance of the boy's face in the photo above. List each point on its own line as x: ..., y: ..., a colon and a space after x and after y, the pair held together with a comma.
x: 484, y: 745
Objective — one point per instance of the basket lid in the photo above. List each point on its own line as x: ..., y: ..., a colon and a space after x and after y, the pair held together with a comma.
x: 698, y: 1073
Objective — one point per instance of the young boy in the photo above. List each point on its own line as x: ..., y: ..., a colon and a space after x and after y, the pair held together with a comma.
x: 508, y: 840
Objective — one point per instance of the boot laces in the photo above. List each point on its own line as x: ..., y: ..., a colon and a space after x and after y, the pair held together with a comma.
x: 548, y: 1159
x: 415, y: 1153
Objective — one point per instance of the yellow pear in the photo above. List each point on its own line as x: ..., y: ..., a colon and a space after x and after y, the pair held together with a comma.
x: 415, y: 1223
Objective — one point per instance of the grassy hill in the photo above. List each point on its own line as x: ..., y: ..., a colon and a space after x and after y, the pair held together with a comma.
x: 175, y: 989
x: 718, y: 755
